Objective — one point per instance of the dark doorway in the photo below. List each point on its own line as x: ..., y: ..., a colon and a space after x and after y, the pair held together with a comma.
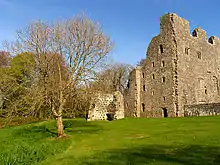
x: 87, y: 116
x: 110, y: 116
x: 165, y: 112
x: 143, y: 107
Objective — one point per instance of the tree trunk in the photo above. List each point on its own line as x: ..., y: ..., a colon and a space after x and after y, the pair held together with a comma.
x: 60, y: 131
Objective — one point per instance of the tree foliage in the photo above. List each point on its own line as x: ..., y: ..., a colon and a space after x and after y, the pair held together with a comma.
x: 15, y: 82
x: 66, y: 56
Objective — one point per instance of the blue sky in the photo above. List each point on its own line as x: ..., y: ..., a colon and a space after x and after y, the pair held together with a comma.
x: 130, y: 23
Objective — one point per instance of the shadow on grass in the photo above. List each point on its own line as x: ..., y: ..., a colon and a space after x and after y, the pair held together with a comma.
x: 184, y: 155
x: 48, y: 129
x: 80, y: 127
x: 17, y: 121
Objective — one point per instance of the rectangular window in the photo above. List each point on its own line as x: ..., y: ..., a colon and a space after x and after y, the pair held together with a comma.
x: 163, y: 64
x: 205, y: 90
x: 143, y: 87
x: 199, y: 55
x: 163, y: 79
x: 161, y: 49
x: 153, y: 76
x: 143, y: 75
x: 153, y: 64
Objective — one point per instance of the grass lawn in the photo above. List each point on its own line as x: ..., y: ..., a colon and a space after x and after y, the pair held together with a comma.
x: 130, y: 141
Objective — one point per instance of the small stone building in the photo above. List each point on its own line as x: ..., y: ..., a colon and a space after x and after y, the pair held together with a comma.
x: 180, y: 76
x: 106, y: 106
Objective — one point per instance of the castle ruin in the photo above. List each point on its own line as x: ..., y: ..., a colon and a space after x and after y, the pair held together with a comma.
x: 106, y: 106
x: 180, y: 76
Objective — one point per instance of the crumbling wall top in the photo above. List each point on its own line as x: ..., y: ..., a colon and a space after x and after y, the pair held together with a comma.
x: 170, y: 21
x: 200, y: 33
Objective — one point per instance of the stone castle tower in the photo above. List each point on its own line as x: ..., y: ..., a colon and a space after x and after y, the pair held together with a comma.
x: 180, y: 70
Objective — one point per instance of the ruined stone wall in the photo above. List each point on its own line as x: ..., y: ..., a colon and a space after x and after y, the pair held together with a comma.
x: 198, y: 65
x: 181, y: 69
x: 103, y: 104
x: 157, y: 76
x: 118, y: 101
x: 202, y: 109
x: 132, y: 94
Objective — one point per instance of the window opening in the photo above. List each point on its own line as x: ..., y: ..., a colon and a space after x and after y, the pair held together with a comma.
x: 161, y: 49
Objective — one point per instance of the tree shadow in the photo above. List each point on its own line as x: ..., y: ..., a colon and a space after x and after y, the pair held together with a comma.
x: 80, y: 127
x: 160, y: 155
x: 48, y: 129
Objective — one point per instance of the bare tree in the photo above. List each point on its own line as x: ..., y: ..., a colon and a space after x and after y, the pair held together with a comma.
x: 141, y: 62
x: 80, y: 42
x: 4, y: 59
x: 113, y: 78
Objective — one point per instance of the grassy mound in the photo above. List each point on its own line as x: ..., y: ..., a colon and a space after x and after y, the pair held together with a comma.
x: 168, y: 141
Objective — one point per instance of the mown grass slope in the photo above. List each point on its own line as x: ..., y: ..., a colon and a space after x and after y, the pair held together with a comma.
x: 167, y: 141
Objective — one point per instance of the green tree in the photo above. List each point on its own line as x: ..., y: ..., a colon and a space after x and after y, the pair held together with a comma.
x: 15, y: 82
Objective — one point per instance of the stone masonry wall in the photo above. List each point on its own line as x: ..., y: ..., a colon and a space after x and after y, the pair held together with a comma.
x: 156, y: 77
x: 132, y: 94
x: 198, y: 65
x: 202, y: 109
x: 181, y: 69
x: 119, y: 105
x: 103, y: 104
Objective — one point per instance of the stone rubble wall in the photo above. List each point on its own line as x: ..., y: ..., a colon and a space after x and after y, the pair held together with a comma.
x: 180, y: 69
x: 202, y: 109
x: 132, y: 94
x: 119, y: 103
x: 103, y: 104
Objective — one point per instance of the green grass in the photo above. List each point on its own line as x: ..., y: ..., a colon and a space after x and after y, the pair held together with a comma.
x: 188, y: 141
